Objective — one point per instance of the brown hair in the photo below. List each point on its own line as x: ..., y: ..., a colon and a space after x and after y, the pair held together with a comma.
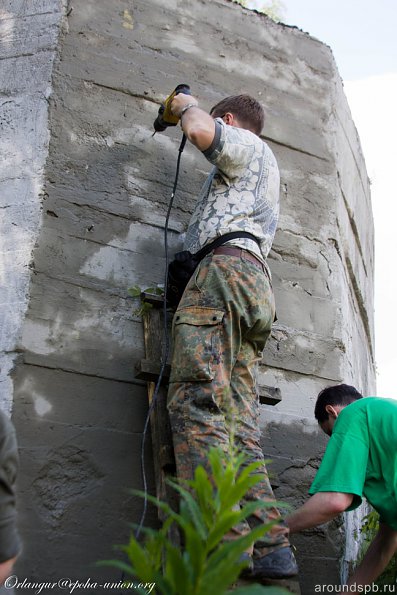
x: 245, y: 108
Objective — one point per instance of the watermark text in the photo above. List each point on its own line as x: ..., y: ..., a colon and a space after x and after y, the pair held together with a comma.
x: 70, y: 585
x: 354, y: 588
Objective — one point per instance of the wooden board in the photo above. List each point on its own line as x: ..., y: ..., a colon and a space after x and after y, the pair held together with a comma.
x: 163, y: 452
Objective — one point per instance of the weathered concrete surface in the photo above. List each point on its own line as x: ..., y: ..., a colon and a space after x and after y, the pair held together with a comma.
x: 78, y: 470
x: 78, y: 410
x: 28, y: 42
x: 296, y: 452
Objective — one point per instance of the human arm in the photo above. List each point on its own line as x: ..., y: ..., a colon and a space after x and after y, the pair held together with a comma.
x: 198, y: 126
x: 319, y: 509
x: 377, y: 557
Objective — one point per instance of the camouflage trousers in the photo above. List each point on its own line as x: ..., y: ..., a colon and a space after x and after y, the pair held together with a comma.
x: 219, y: 331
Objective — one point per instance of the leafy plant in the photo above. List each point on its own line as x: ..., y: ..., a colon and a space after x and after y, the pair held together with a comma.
x: 136, y: 292
x: 209, y: 508
x: 369, y: 529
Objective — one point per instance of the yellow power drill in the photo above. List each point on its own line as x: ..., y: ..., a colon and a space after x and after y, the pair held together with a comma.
x: 165, y: 118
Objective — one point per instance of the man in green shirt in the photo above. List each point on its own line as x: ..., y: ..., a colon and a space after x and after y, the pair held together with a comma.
x: 360, y: 460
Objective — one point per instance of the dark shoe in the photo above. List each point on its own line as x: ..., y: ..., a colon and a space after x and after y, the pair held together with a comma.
x: 247, y: 571
x: 277, y: 565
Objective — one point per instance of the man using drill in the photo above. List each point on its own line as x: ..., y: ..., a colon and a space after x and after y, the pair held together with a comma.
x: 360, y: 460
x: 226, y: 312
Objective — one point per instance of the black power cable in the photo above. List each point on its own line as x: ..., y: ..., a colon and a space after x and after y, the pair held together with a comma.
x: 166, y: 343
x: 166, y: 348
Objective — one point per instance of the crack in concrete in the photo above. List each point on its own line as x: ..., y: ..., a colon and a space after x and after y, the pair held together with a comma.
x: 87, y: 428
x: 28, y: 16
x: 282, y: 458
x: 292, y: 257
x: 287, y: 146
x: 301, y: 372
x: 298, y: 464
x: 97, y: 209
x: 121, y: 90
x: 91, y: 286
x: 29, y: 54
x: 361, y: 305
x: 347, y: 264
x: 157, y: 102
x: 301, y: 235
x: 77, y: 372
x: 365, y: 190
x: 172, y: 228
x: 353, y: 225
x: 49, y: 49
x: 335, y: 243
x: 15, y: 351
x: 104, y: 245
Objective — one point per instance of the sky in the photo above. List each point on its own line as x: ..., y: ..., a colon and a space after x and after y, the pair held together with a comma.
x: 361, y: 34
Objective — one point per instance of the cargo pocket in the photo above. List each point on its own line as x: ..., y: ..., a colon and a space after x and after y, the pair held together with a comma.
x: 196, y: 347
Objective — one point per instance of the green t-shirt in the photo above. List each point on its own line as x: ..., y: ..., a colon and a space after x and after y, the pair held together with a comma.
x: 361, y: 457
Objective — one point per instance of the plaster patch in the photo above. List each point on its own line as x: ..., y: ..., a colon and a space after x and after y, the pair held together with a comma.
x: 109, y: 141
x: 69, y: 475
x: 106, y: 263
x: 134, y: 181
x: 27, y: 391
x: 49, y: 336
x: 107, y: 320
x: 187, y: 44
x: 149, y: 213
x: 270, y: 414
x: 298, y: 392
x: 41, y: 405
x: 141, y: 134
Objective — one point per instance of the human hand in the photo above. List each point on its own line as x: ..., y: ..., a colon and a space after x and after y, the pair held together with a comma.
x: 180, y: 101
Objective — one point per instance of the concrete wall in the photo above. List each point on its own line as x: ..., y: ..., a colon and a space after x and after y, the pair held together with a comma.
x: 96, y: 223
x: 28, y: 43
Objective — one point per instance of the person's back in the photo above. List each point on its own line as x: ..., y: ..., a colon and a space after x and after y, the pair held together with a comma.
x: 382, y: 422
x: 380, y: 486
x: 241, y: 193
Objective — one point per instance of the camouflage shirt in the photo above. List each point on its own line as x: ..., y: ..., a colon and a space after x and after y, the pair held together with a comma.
x: 241, y: 193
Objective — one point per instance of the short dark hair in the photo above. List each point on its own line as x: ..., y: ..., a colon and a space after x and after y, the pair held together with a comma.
x: 342, y: 394
x: 247, y: 109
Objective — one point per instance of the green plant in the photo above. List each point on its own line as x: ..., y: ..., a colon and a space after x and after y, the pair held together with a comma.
x: 137, y: 293
x: 369, y: 529
x: 209, y: 508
